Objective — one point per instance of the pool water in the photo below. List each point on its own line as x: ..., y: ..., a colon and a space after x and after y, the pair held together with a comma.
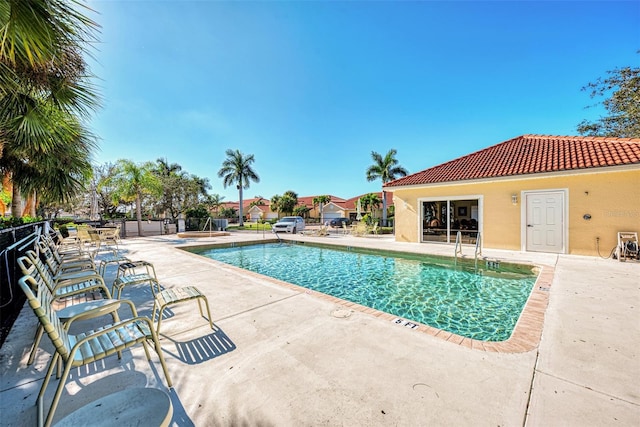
x: 481, y: 304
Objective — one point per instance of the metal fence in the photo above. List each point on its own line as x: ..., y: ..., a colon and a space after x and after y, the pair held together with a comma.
x: 14, y: 242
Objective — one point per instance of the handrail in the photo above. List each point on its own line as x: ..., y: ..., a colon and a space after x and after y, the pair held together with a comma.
x: 26, y: 240
x: 210, y: 224
x: 458, y: 249
x: 478, y: 250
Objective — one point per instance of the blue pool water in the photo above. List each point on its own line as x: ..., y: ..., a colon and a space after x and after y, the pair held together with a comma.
x: 484, y: 305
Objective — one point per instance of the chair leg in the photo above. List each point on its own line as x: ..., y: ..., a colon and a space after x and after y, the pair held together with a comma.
x: 156, y: 343
x: 47, y: 376
x: 116, y: 319
x: 160, y: 318
x: 56, y: 397
x: 36, y: 343
x: 206, y: 303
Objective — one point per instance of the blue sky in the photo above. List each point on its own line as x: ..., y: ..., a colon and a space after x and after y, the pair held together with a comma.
x: 311, y: 88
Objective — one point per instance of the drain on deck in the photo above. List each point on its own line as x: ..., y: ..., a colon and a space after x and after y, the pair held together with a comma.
x: 341, y: 313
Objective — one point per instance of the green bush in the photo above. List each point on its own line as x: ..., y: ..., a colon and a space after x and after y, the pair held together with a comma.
x: 11, y: 221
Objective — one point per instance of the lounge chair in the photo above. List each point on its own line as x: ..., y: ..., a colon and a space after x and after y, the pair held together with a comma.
x: 110, y: 237
x: 345, y: 229
x: 70, y: 290
x: 86, y: 347
x: 322, y: 231
x: 60, y: 266
x: 374, y: 229
x: 360, y: 229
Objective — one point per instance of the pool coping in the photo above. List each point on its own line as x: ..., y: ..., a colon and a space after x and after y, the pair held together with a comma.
x: 525, y: 336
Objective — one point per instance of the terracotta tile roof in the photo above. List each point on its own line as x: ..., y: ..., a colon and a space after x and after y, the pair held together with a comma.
x: 308, y: 200
x: 531, y: 154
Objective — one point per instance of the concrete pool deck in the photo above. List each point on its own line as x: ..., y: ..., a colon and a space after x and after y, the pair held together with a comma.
x: 281, y: 357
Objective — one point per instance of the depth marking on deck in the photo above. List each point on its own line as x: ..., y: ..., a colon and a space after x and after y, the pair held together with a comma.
x: 405, y: 323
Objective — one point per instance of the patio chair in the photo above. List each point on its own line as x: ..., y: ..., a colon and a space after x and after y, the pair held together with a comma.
x: 70, y: 291
x: 374, y: 229
x: 111, y: 237
x: 59, y: 276
x: 58, y: 265
x: 63, y: 286
x: 360, y: 229
x: 323, y: 231
x: 345, y: 229
x: 82, y: 235
x: 65, y: 244
x: 86, y: 347
x: 70, y: 250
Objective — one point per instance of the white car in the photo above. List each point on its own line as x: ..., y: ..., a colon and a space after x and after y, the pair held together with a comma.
x: 289, y: 224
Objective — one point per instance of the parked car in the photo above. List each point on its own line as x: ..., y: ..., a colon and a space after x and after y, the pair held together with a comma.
x: 290, y: 224
x: 337, y: 222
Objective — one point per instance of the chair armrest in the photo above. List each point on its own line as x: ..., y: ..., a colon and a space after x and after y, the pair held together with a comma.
x: 70, y: 279
x: 87, y: 310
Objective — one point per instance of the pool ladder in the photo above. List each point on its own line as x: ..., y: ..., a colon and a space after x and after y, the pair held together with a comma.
x: 458, y: 248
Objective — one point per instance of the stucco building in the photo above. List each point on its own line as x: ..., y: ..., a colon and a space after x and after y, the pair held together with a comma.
x: 560, y: 194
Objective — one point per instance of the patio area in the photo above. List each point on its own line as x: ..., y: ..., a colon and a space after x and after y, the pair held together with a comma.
x: 278, y: 355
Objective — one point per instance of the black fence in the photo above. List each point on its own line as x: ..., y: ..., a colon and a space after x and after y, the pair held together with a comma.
x: 14, y: 242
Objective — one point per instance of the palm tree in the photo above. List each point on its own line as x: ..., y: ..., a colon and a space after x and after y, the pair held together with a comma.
x: 321, y: 200
x: 370, y: 202
x: 41, y: 60
x: 131, y: 182
x: 236, y: 169
x: 387, y: 170
x: 214, y: 202
x: 54, y: 163
x: 44, y: 79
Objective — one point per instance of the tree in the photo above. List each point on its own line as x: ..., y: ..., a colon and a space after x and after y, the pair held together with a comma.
x: 275, y: 204
x: 41, y: 52
x: 321, y: 200
x: 287, y: 202
x: 44, y: 87
x: 623, y: 105
x: 104, y: 192
x: 214, y: 202
x: 301, y: 210
x: 386, y: 169
x: 131, y: 182
x: 236, y: 169
x: 54, y: 165
x: 369, y: 202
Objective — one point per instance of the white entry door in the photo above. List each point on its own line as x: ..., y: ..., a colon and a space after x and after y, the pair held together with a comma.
x: 545, y: 222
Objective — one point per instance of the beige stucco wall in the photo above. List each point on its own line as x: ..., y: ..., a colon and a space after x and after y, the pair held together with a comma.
x: 611, y: 196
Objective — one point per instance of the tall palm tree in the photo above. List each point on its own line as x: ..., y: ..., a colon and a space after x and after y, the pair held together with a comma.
x: 236, y: 169
x: 131, y: 182
x: 321, y: 200
x: 386, y: 169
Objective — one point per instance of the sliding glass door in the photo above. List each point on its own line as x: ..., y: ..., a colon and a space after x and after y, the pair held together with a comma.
x: 443, y: 218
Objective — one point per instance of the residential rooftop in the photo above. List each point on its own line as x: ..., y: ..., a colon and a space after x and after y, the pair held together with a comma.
x: 531, y: 154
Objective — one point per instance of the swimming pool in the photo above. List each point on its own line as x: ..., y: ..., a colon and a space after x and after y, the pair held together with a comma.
x: 483, y: 304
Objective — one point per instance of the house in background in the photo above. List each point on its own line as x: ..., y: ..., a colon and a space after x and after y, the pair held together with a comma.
x: 336, y: 208
x: 558, y: 194
x: 328, y: 210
